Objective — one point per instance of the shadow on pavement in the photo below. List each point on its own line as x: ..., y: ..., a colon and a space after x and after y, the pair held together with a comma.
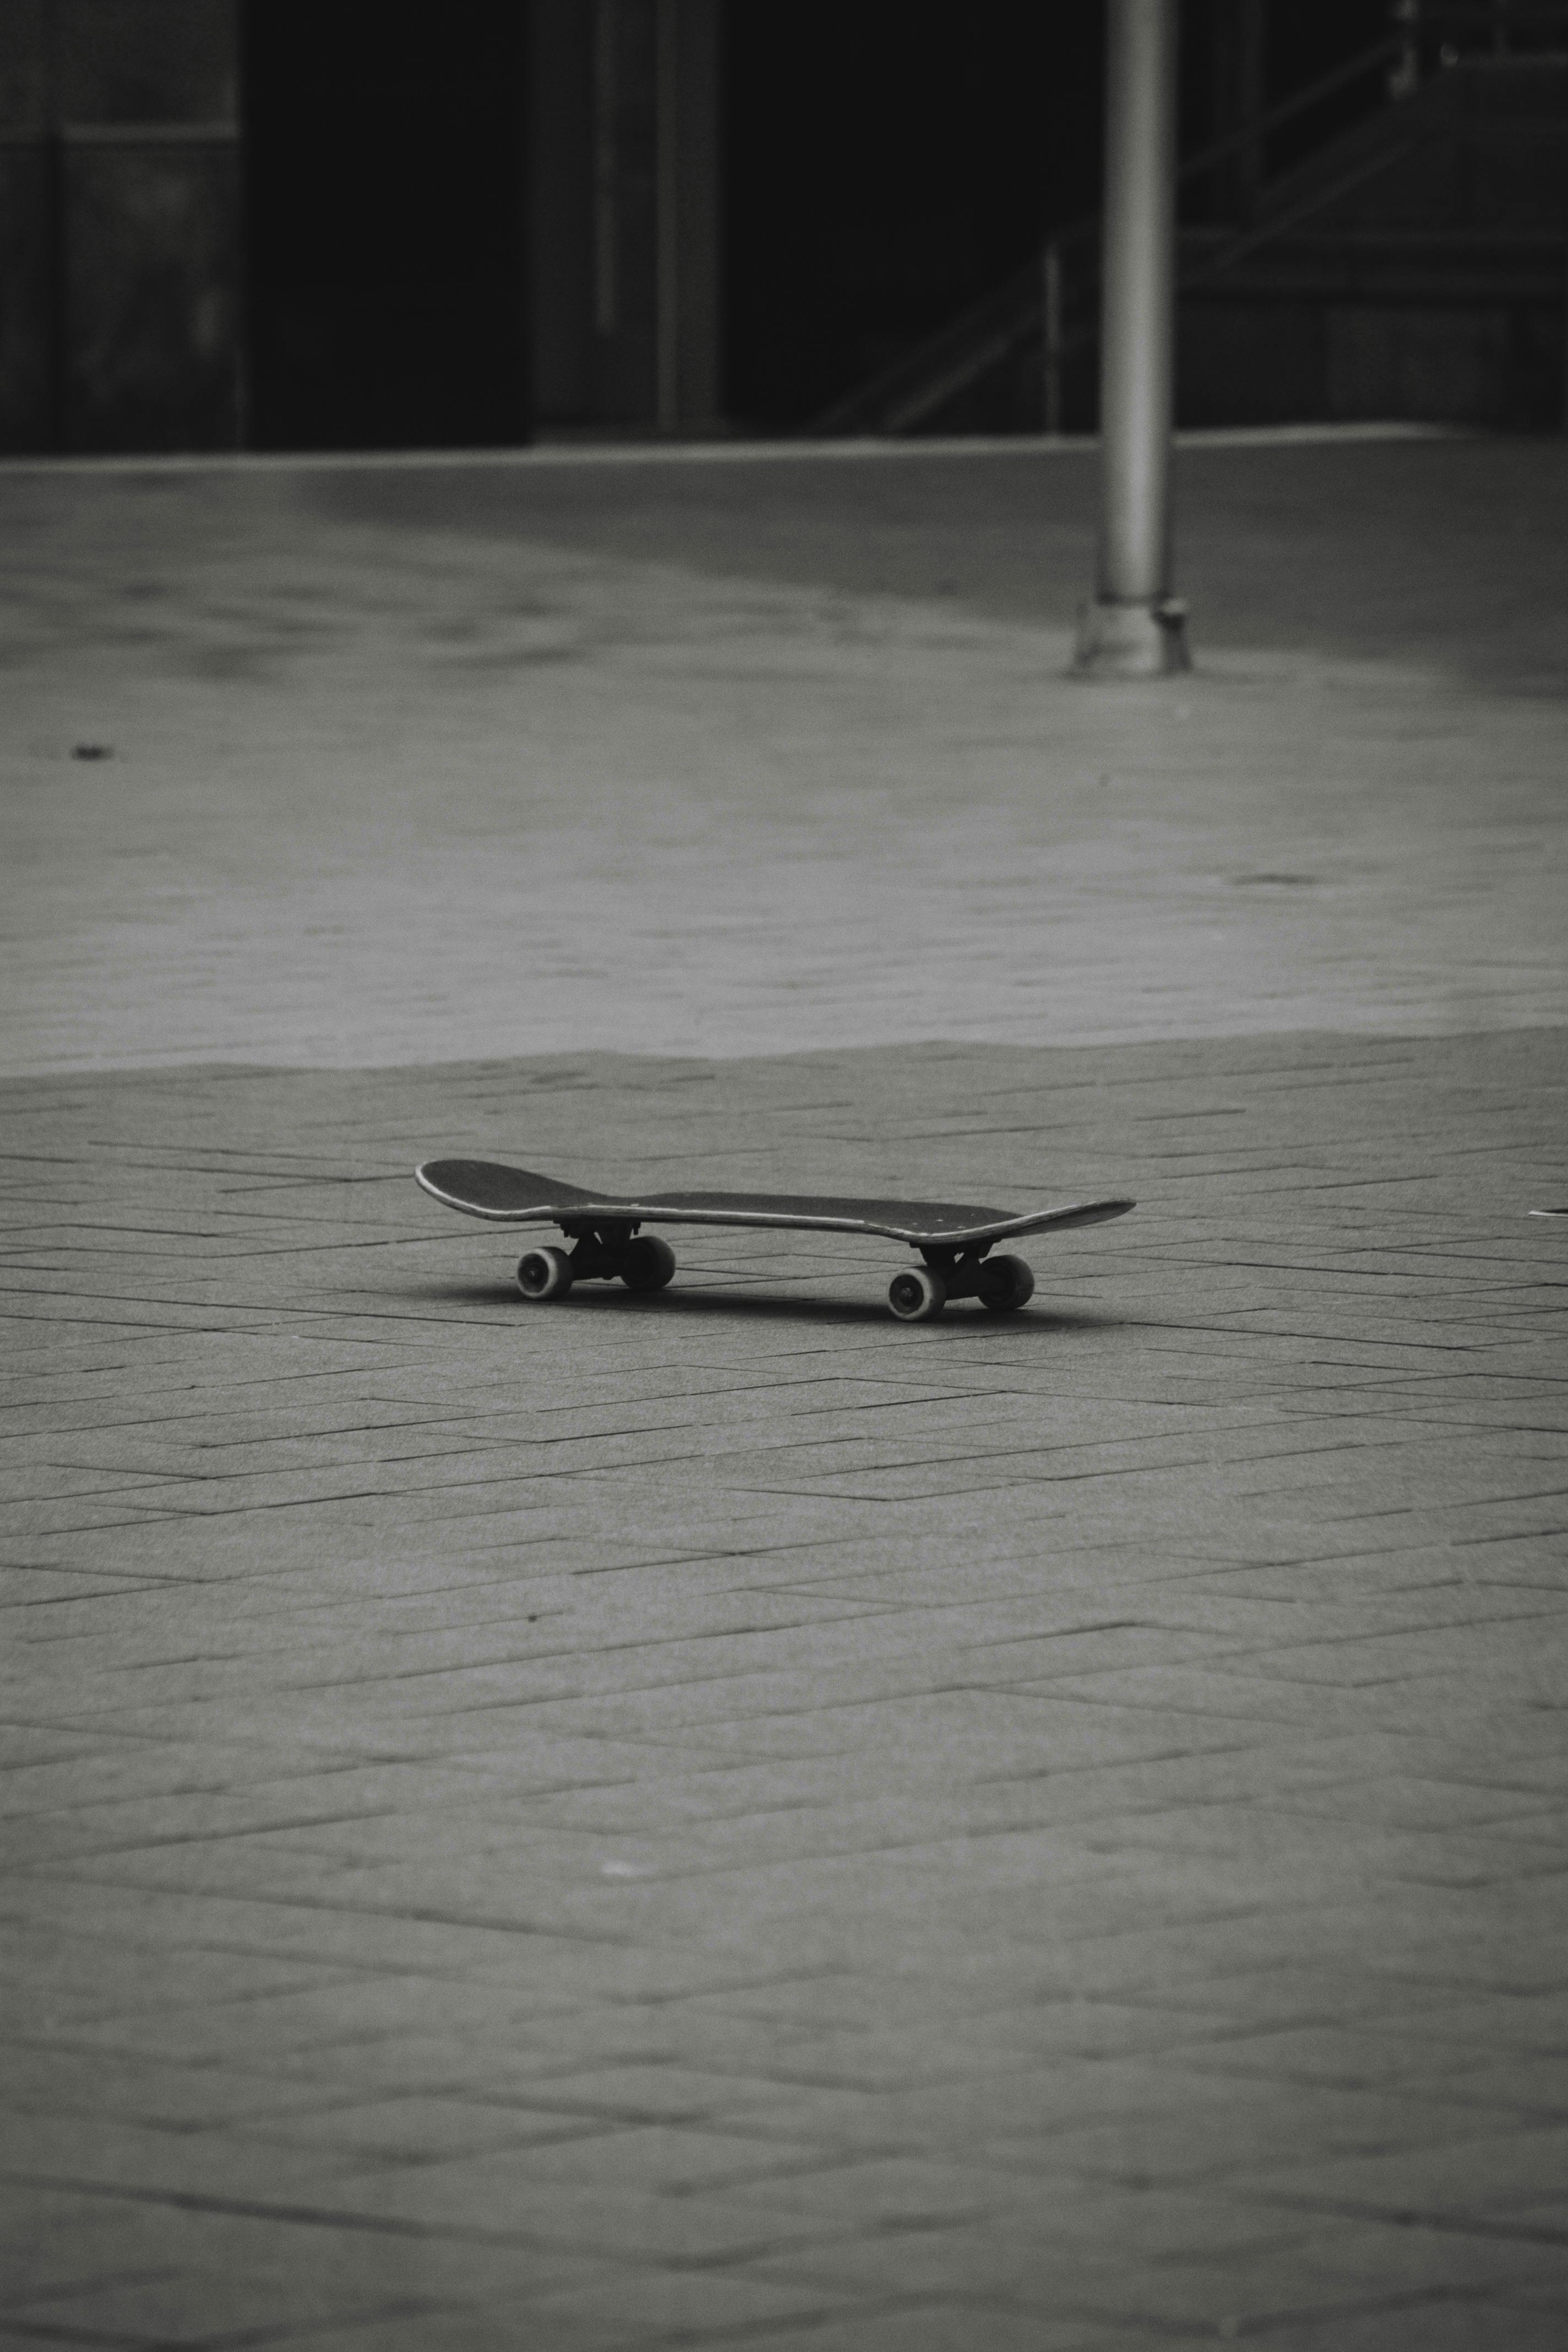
x: 963, y: 1317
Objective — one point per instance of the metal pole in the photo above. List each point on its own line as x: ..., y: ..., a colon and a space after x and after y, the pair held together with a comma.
x: 666, y: 217
x: 1250, y: 106
x: 1133, y: 628
x: 1405, y: 79
x: 606, y: 192
x: 1051, y: 332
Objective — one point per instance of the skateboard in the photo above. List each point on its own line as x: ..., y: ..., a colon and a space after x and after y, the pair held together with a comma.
x: 953, y: 1238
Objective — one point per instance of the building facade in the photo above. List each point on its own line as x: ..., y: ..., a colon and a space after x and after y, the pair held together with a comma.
x: 311, y: 223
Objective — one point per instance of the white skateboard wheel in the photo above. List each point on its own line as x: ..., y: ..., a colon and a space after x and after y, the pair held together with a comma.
x: 916, y: 1295
x: 544, y: 1274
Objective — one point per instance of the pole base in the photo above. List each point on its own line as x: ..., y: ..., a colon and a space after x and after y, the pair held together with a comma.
x: 1133, y: 640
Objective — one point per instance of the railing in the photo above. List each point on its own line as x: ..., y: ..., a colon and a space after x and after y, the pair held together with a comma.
x: 1437, y: 33
x: 1058, y: 345
x: 989, y: 329
x: 1043, y: 297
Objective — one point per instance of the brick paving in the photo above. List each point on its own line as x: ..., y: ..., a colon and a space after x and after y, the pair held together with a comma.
x: 414, y: 765
x: 723, y: 1818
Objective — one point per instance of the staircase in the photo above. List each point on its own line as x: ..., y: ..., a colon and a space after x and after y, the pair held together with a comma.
x: 1414, y: 266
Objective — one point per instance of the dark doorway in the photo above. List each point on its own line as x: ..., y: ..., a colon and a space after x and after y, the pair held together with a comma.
x: 885, y: 167
x: 386, y: 255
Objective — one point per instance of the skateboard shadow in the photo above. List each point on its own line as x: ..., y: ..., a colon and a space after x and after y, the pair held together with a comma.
x: 700, y: 1306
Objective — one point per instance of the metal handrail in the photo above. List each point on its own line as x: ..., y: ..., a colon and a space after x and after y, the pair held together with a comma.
x: 1274, y: 117
x: 1484, y: 15
x: 1493, y: 22
x: 987, y: 329
x: 1280, y: 224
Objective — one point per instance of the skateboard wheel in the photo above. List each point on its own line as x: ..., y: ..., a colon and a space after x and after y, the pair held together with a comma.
x: 916, y: 1295
x: 544, y: 1274
x: 1005, y: 1283
x: 649, y: 1263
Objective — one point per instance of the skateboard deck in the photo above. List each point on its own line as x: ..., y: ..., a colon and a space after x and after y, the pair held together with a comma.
x: 953, y: 1238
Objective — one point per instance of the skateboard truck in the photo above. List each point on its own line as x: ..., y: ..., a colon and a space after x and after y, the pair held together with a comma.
x: 1001, y: 1283
x: 644, y: 1263
x: 604, y: 1252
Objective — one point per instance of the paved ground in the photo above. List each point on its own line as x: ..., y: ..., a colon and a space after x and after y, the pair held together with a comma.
x: 703, y: 758
x: 724, y: 1818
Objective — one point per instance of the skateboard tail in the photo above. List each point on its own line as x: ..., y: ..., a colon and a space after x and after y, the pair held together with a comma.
x: 483, y: 1188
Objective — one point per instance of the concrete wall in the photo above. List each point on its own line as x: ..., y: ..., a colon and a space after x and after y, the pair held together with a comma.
x: 119, y: 261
